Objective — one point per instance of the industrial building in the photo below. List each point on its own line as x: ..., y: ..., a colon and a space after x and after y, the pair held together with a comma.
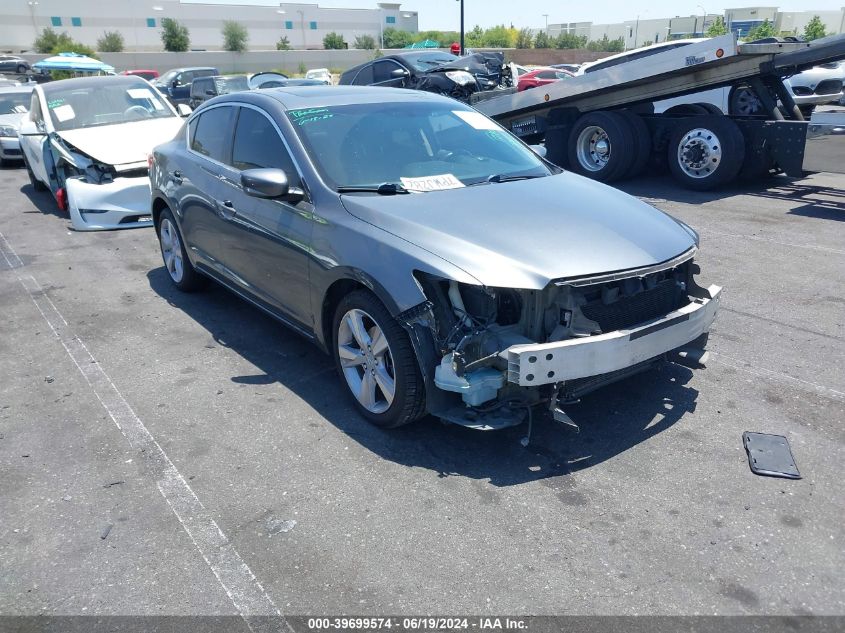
x: 139, y: 21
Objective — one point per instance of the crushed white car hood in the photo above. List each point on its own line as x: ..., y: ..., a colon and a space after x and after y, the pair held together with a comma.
x: 124, y: 142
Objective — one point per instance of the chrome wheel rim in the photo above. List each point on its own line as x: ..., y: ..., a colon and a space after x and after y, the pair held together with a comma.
x: 593, y: 148
x: 366, y: 361
x: 747, y: 102
x: 699, y: 153
x: 171, y: 250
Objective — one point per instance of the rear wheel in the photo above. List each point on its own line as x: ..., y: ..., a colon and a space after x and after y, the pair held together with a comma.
x: 601, y: 146
x: 706, y: 152
x: 375, y: 360
x: 21, y: 69
x: 182, y: 273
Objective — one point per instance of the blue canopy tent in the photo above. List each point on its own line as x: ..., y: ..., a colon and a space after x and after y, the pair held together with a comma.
x: 73, y: 62
x: 424, y: 44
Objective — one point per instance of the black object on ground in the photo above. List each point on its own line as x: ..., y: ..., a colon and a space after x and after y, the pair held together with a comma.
x: 770, y: 455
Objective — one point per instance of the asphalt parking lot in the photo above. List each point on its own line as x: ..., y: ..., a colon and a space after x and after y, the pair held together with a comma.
x: 135, y: 419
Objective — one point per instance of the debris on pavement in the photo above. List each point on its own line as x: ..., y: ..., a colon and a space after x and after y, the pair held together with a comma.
x: 276, y: 526
x: 104, y: 534
x: 770, y: 455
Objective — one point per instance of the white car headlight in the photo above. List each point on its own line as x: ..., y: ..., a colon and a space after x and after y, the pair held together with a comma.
x: 8, y: 130
x: 461, y: 77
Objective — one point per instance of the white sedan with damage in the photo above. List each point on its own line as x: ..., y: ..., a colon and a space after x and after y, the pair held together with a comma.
x: 88, y: 140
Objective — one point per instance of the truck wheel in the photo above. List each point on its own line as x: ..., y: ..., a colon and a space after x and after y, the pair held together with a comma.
x: 710, y: 108
x: 687, y: 109
x: 642, y: 143
x: 706, y: 152
x: 743, y: 101
x: 600, y: 146
x: 375, y: 360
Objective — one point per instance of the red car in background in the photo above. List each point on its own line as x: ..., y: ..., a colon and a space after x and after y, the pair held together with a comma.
x: 149, y: 75
x: 541, y: 77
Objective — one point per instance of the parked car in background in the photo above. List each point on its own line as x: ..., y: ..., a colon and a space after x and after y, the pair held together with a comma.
x: 149, y: 75
x: 176, y: 83
x: 87, y: 141
x: 573, y: 68
x: 433, y: 71
x: 817, y: 86
x: 496, y: 287
x: 14, y: 105
x: 14, y: 64
x: 258, y: 79
x: 541, y: 77
x: 279, y: 80
x: 320, y: 74
x: 205, y: 88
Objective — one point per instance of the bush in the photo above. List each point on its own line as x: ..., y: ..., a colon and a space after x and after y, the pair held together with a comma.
x: 606, y: 45
x: 175, y: 37
x: 365, y: 42
x: 717, y: 28
x: 283, y: 44
x: 568, y: 40
x: 394, y: 38
x: 235, y: 36
x: 524, y: 38
x: 111, y: 42
x: 334, y: 41
x: 54, y: 43
x: 542, y: 40
x: 302, y: 68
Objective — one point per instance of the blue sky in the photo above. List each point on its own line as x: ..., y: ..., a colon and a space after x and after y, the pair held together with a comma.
x: 444, y: 14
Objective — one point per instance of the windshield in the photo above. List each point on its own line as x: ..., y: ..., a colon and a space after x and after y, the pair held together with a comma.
x: 366, y: 145
x: 427, y: 61
x: 234, y: 83
x: 104, y: 104
x: 14, y: 102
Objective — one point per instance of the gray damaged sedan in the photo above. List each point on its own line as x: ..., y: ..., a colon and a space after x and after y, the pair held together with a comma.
x: 445, y: 265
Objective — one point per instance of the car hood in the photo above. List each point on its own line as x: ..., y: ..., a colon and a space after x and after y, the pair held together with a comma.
x: 123, y: 143
x: 524, y: 234
x: 12, y: 119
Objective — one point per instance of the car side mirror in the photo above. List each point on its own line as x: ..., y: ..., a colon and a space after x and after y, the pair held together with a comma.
x: 399, y: 73
x: 270, y: 184
x: 540, y: 150
x: 183, y: 110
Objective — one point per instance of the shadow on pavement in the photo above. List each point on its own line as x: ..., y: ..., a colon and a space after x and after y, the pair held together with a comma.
x: 612, y: 421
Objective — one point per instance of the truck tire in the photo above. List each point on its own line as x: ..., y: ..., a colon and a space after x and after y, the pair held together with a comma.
x: 711, y: 108
x: 601, y: 146
x: 706, y: 152
x: 642, y: 144
x: 743, y: 101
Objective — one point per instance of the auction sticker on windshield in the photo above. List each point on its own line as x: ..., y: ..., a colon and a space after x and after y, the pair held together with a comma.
x: 64, y: 113
x: 432, y: 183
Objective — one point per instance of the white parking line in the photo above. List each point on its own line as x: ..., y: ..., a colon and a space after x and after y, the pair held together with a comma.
x: 247, y: 595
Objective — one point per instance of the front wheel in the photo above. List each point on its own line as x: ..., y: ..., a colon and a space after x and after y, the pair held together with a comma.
x: 600, y: 146
x: 375, y: 360
x: 182, y: 273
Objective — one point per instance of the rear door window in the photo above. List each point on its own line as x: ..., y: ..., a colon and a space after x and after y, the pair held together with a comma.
x: 365, y: 76
x: 212, y: 133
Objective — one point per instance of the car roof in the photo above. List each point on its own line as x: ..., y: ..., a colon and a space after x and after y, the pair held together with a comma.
x: 92, y: 82
x: 295, y: 97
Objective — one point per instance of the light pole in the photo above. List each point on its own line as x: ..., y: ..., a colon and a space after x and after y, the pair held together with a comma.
x: 703, y: 18
x: 302, y: 25
x: 463, y: 51
x: 636, y: 31
x: 32, y: 4
x: 546, y: 15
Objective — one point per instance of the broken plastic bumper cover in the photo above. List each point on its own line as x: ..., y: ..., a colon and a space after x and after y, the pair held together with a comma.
x: 122, y: 203
x: 547, y: 363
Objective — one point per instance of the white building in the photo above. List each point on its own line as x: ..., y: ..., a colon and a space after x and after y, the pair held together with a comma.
x: 139, y: 21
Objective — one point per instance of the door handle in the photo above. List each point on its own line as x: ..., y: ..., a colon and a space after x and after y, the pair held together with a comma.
x: 226, y: 209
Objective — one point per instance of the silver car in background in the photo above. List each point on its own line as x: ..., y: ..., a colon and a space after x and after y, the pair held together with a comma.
x: 14, y: 106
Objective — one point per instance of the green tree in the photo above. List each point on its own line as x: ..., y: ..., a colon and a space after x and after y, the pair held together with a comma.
x: 175, y: 37
x: 46, y: 41
x: 474, y: 38
x: 283, y: 44
x: 569, y: 40
x: 365, y: 42
x: 334, y: 41
x: 499, y: 37
x: 542, y: 40
x: 394, y: 38
x: 524, y: 39
x: 607, y: 45
x: 814, y: 29
x: 50, y: 42
x: 760, y: 31
x: 235, y: 36
x: 717, y: 28
x: 111, y: 42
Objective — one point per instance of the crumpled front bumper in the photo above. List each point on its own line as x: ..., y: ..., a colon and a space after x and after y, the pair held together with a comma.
x: 121, y: 204
x: 547, y: 363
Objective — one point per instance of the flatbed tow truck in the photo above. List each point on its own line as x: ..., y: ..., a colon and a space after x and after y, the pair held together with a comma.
x: 602, y: 124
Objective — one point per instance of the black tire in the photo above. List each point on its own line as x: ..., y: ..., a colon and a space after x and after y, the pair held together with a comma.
x: 710, y: 108
x: 36, y: 184
x: 21, y: 69
x: 408, y: 402
x: 743, y: 101
x: 706, y: 152
x: 585, y: 155
x: 642, y: 144
x: 189, y: 280
x: 687, y: 109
